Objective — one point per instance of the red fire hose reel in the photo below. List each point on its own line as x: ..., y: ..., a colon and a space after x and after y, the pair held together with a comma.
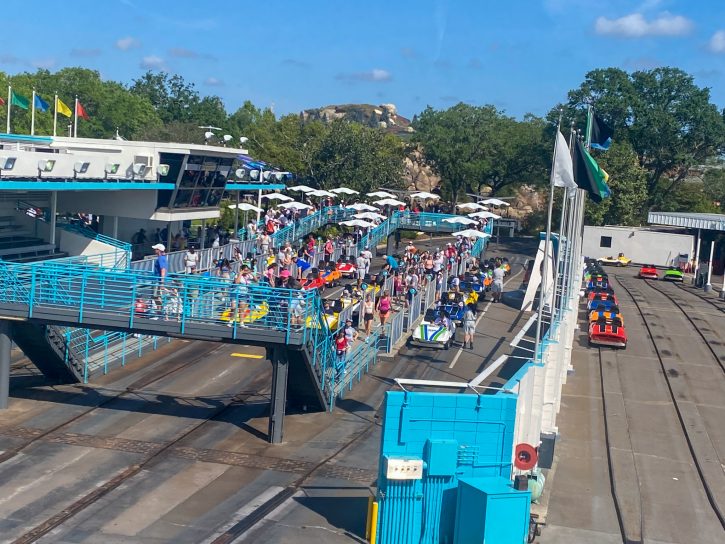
x: 525, y: 456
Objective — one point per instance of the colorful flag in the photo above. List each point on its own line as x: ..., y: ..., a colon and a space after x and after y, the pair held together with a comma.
x: 2, y: 102
x: 563, y: 169
x: 601, y: 134
x: 19, y: 100
x: 81, y: 112
x: 589, y: 175
x: 40, y: 104
x: 61, y: 108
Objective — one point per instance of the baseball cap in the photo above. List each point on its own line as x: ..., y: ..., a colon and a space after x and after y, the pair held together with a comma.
x: 160, y: 247
x: 284, y: 274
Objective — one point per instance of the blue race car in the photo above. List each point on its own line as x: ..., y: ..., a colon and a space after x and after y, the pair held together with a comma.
x: 602, y: 304
x: 454, y: 304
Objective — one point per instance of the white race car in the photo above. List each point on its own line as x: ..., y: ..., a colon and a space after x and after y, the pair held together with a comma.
x: 432, y: 333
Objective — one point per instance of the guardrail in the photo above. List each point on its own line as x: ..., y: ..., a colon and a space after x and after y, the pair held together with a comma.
x: 93, y: 235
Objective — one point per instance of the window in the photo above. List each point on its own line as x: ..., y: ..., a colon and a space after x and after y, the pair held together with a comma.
x: 605, y: 241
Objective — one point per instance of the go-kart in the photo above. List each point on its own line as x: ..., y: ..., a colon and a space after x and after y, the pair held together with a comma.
x: 454, y: 304
x: 608, y: 333
x: 597, y: 292
x: 602, y: 294
x: 597, y: 282
x: 473, y: 288
x: 611, y: 314
x: 313, y: 281
x: 619, y: 260
x: 331, y: 275
x: 248, y: 315
x: 648, y: 272
x: 604, y: 303
x: 432, y: 333
x: 673, y: 274
x: 347, y: 270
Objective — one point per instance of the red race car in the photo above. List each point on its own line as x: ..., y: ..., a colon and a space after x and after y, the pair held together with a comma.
x: 348, y: 270
x: 313, y: 281
x: 600, y: 292
x: 608, y: 333
x: 648, y: 272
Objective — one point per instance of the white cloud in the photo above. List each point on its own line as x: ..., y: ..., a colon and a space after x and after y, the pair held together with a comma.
x: 635, y: 25
x: 717, y: 42
x: 124, y: 44
x: 213, y: 82
x: 152, y: 62
x: 46, y: 64
x: 376, y: 75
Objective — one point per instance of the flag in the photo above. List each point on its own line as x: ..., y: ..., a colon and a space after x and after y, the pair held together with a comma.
x: 601, y: 134
x: 589, y: 175
x: 81, y: 112
x: 563, y: 169
x: 40, y: 104
x: 2, y: 102
x: 61, y: 108
x: 19, y: 100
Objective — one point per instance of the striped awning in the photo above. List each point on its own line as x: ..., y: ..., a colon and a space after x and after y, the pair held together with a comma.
x: 704, y: 221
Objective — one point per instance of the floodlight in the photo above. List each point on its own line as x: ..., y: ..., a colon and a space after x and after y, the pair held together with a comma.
x: 227, y: 137
x: 7, y: 163
x: 140, y: 169
x: 208, y: 135
x: 112, y: 168
x: 266, y: 175
x: 243, y: 139
x: 240, y: 172
x: 81, y: 167
x: 46, y: 165
x: 163, y: 169
x: 254, y: 174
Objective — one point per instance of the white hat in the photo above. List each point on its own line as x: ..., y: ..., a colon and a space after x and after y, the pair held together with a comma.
x: 160, y: 247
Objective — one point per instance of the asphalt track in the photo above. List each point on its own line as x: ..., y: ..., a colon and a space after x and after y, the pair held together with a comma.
x: 173, y: 447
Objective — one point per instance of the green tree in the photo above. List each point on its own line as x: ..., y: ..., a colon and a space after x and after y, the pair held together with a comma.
x: 714, y: 184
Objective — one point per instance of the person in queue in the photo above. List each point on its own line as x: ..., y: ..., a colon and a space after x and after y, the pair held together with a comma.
x: 384, y: 307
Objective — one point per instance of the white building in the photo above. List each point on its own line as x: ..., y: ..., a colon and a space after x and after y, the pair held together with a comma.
x: 641, y: 244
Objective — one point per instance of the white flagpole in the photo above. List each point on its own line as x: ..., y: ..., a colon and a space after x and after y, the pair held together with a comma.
x: 32, y: 114
x: 75, y: 120
x: 10, y: 103
x: 55, y: 115
x: 547, y: 243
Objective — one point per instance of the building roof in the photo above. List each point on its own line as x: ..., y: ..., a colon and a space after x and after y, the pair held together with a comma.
x: 705, y: 221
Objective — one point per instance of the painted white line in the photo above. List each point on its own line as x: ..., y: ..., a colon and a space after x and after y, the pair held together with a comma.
x: 460, y: 350
x: 244, y: 511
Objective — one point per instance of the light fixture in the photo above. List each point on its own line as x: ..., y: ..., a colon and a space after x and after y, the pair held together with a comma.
x: 240, y: 172
x: 7, y: 163
x: 81, y: 167
x: 163, y: 170
x: 266, y: 175
x: 254, y: 174
x: 208, y: 135
x: 227, y: 138
x: 140, y: 169
x: 46, y: 165
x: 243, y: 139
x: 112, y: 168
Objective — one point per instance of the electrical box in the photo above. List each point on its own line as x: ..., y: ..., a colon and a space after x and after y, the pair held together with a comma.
x: 403, y: 468
x: 441, y: 454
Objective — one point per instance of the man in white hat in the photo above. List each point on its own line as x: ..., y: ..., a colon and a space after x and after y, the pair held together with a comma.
x: 161, y: 267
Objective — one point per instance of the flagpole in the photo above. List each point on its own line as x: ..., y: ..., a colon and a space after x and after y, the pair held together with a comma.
x: 547, y: 242
x: 75, y: 120
x: 10, y: 104
x: 55, y: 115
x: 32, y: 114
x: 560, y: 246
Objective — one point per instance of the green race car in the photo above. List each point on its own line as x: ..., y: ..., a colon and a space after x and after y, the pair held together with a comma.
x: 673, y: 274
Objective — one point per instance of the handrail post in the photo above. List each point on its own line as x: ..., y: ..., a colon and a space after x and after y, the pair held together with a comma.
x: 31, y: 298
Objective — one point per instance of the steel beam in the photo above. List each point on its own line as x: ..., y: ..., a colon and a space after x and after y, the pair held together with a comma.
x: 280, y: 371
x: 5, y: 345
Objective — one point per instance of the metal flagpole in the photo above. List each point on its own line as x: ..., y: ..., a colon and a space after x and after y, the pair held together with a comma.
x: 75, y: 120
x: 559, y: 259
x: 10, y: 104
x: 55, y: 114
x: 547, y: 242
x: 32, y: 114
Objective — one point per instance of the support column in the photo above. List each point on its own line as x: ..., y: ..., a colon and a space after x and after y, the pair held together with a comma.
x: 53, y: 213
x: 236, y: 219
x: 280, y: 371
x: 5, y: 345
x: 708, y: 285
x: 697, y: 257
x: 114, y: 227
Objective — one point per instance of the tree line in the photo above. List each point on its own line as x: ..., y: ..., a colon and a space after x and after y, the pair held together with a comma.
x: 669, y: 138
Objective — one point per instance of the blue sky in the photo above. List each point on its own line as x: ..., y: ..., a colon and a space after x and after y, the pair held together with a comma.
x: 520, y: 55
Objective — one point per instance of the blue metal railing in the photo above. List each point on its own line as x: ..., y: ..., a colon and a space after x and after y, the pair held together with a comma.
x: 93, y: 235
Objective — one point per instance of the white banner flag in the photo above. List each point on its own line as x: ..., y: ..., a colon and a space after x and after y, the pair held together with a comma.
x: 563, y: 168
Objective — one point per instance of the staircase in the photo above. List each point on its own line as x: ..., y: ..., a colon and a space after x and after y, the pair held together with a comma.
x: 47, y: 350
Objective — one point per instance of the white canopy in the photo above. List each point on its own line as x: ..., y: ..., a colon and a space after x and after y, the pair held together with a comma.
x: 471, y: 206
x: 278, y: 196
x: 360, y: 207
x: 470, y: 233
x: 357, y: 223
x: 495, y: 202
x: 484, y: 215
x: 370, y: 215
x: 320, y: 192
x: 345, y: 190
x: 245, y: 207
x: 381, y: 194
x: 460, y: 220
x: 423, y: 195
x: 389, y: 202
x: 294, y: 205
x: 300, y: 188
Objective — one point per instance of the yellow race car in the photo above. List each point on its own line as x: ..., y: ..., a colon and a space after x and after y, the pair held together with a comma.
x: 619, y: 260
x: 249, y: 315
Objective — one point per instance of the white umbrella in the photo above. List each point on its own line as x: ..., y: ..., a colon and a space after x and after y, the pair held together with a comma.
x: 295, y: 205
x: 484, y: 215
x: 470, y: 233
x: 495, y: 202
x: 425, y: 196
x: 370, y: 215
x: 345, y: 190
x: 360, y: 207
x: 381, y: 194
x: 357, y: 223
x: 389, y: 202
x: 461, y: 220
x: 471, y: 206
x: 320, y: 192
x: 245, y: 207
x: 278, y: 196
x: 300, y: 188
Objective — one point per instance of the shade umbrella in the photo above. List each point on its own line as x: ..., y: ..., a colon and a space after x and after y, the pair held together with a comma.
x: 300, y: 188
x: 496, y: 202
x: 470, y: 233
x: 460, y: 220
x: 278, y: 196
x: 245, y: 207
x: 389, y: 202
x: 381, y: 194
x: 357, y: 223
x: 423, y: 195
x: 369, y: 215
x: 294, y: 205
x: 360, y: 207
x: 471, y: 206
x: 321, y: 193
x: 484, y: 215
x: 345, y: 190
